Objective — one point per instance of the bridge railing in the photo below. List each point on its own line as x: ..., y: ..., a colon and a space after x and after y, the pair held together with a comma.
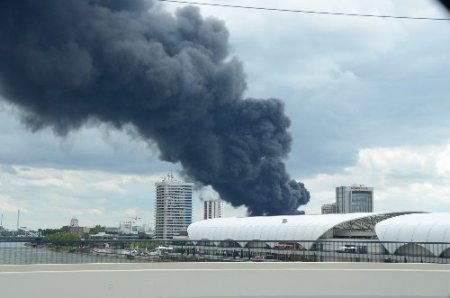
x: 22, y: 250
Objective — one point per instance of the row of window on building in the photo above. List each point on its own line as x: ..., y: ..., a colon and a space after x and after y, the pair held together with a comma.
x: 174, y: 208
x: 351, y: 199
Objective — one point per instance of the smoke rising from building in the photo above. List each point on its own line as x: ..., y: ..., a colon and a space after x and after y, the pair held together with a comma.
x: 170, y: 76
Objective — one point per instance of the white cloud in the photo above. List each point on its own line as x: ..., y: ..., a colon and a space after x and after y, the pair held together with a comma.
x: 52, y: 196
x: 131, y: 212
x: 95, y: 211
x: 443, y: 162
x: 108, y: 186
x: 404, y: 178
x: 7, y: 204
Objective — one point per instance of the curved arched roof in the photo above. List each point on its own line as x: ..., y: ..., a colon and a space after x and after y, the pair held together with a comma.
x: 422, y: 228
x: 284, y: 227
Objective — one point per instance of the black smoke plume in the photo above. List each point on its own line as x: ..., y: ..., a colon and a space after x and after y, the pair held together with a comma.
x: 66, y: 62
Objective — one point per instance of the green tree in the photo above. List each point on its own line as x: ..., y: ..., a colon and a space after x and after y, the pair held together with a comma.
x: 47, y: 232
x: 97, y: 229
x: 62, y: 236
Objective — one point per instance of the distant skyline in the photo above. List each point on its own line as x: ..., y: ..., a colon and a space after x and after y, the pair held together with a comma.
x: 368, y: 101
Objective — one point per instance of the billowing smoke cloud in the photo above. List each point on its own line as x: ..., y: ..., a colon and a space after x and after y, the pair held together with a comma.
x: 127, y: 62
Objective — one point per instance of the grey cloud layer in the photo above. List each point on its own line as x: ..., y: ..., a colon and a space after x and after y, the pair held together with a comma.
x: 362, y: 83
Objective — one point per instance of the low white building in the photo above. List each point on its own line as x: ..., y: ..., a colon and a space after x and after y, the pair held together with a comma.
x: 396, y: 233
x: 421, y: 234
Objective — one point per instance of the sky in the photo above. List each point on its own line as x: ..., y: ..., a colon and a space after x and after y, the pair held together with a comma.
x: 368, y: 99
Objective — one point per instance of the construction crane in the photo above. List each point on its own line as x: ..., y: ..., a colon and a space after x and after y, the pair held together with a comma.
x: 134, y: 219
x: 127, y: 226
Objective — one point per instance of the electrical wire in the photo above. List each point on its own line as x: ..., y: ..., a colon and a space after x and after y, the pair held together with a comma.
x: 344, y: 14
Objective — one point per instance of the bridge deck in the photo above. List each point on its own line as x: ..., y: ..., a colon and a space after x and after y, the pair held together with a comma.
x: 226, y: 280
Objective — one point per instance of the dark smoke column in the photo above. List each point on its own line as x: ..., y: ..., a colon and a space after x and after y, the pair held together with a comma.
x: 127, y: 62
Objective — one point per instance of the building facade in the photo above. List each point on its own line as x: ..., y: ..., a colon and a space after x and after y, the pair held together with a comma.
x: 213, y: 209
x: 74, y: 222
x: 356, y: 198
x: 173, y: 208
x: 329, y: 208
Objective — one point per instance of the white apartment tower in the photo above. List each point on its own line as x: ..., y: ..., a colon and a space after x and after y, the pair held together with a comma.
x: 213, y: 209
x: 173, y: 207
x: 356, y: 198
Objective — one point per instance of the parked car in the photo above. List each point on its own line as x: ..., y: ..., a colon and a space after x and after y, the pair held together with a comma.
x: 347, y: 248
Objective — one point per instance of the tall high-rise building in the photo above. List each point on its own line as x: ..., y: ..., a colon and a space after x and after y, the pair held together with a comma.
x: 173, y: 207
x: 356, y: 198
x: 213, y: 209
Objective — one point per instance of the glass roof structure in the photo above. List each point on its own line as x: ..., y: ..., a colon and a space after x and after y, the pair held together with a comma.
x: 283, y: 228
x: 420, y: 229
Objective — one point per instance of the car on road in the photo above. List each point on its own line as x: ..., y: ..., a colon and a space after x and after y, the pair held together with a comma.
x: 347, y: 248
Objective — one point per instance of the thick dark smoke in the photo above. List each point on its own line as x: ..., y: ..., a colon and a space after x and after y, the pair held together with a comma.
x: 66, y: 62
x: 446, y: 3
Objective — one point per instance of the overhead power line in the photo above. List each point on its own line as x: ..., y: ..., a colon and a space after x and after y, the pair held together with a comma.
x: 344, y: 14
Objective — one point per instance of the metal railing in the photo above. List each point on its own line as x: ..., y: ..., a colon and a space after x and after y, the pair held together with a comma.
x: 40, y: 251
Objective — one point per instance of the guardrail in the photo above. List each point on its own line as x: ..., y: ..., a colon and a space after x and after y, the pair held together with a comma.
x: 41, y: 251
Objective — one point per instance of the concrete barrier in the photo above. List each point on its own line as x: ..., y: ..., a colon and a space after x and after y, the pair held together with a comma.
x: 225, y: 280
